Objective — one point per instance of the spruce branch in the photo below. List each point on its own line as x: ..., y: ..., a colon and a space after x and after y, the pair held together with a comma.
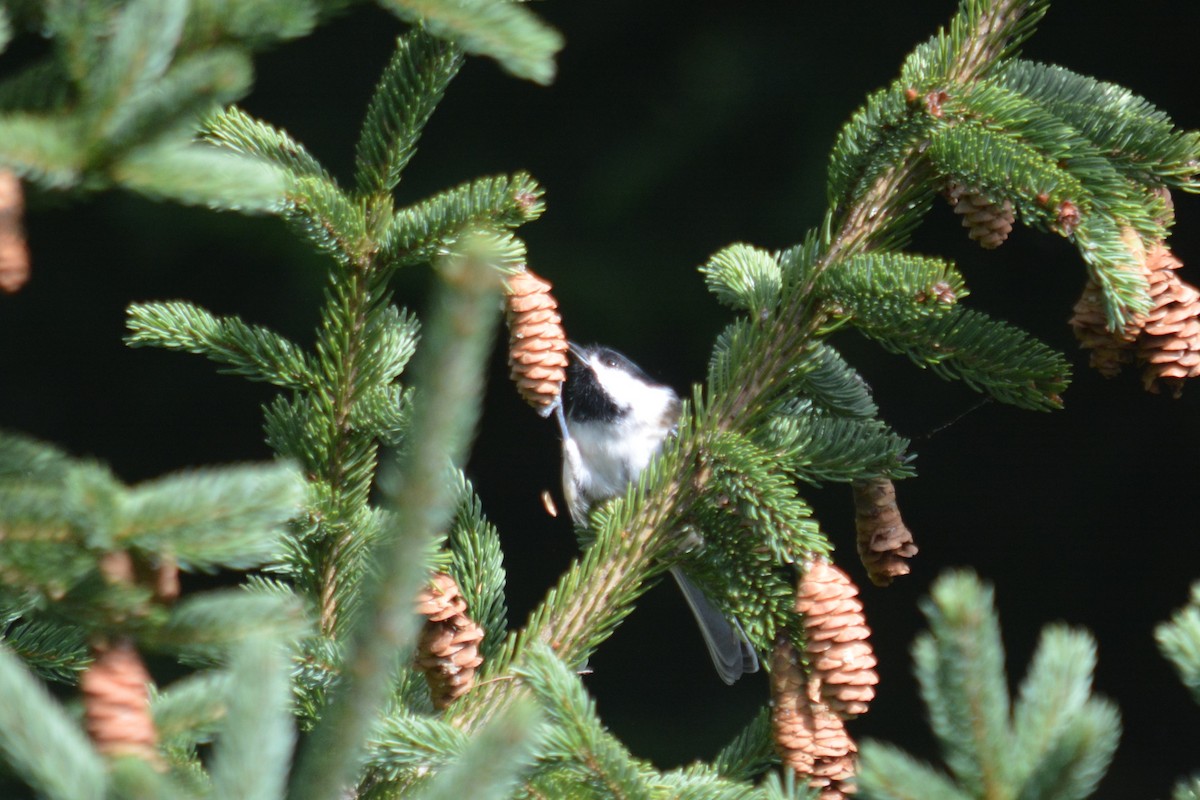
x: 1054, y: 690
x: 1056, y: 742
x: 982, y: 34
x: 494, y: 760
x: 41, y: 149
x: 576, y: 736
x: 41, y: 741
x: 120, y: 100
x: 205, y: 627
x: 64, y: 523
x: 478, y: 567
x: 785, y: 787
x: 751, y: 752
x: 256, y: 24
x: 1140, y: 139
x: 29, y: 459
x: 744, y: 277
x: 203, y: 519
x: 347, y: 399
x: 141, y: 48
x: 344, y: 461
x: 199, y: 174
x: 248, y: 350
x: 1187, y: 789
x: 188, y: 712
x: 510, y: 33
x: 73, y: 26
x: 6, y: 30
x: 133, y: 777
x: 445, y: 411
x: 891, y: 289
x: 1179, y: 641
x: 48, y: 650
x: 1056, y: 180
x: 886, y: 772
x: 236, y: 130
x: 410, y: 89
x: 417, y: 231
x: 1079, y: 759
x: 960, y: 666
x: 817, y: 447
x: 988, y: 355
x: 701, y: 781
x: 403, y: 743
x: 831, y: 385
x: 253, y: 749
x: 361, y: 347
x: 207, y: 80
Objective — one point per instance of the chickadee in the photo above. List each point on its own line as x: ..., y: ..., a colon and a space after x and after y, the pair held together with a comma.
x: 616, y: 421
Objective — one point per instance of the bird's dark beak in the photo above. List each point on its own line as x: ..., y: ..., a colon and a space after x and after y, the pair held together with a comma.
x: 576, y: 350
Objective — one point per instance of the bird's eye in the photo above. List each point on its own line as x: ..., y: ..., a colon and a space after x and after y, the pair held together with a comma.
x: 610, y: 362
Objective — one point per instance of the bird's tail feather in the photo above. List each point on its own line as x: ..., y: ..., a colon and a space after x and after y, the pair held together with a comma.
x: 727, y: 644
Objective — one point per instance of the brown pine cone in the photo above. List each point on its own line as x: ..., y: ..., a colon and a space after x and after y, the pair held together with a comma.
x: 989, y: 223
x: 448, y: 651
x: 810, y: 738
x: 836, y: 639
x: 14, y: 252
x: 537, y: 343
x: 1169, y: 344
x: 884, y: 542
x: 116, y: 703
x: 1110, y: 350
x: 1165, y: 340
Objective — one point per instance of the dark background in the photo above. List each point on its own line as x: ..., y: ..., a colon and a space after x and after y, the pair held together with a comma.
x: 670, y: 132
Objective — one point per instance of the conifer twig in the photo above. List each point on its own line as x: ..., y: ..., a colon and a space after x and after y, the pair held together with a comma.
x: 353, y: 312
x: 447, y: 406
x: 42, y: 741
x: 855, y: 224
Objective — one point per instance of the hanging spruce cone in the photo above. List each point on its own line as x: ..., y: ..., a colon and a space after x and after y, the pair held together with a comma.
x: 1165, y: 340
x: 448, y: 652
x: 1110, y: 350
x: 116, y: 703
x: 836, y: 639
x: 537, y: 343
x: 884, y: 542
x: 990, y: 223
x: 14, y: 252
x: 1169, y: 344
x: 810, y: 738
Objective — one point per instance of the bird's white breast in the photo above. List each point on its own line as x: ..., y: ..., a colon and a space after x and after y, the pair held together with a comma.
x: 602, y: 458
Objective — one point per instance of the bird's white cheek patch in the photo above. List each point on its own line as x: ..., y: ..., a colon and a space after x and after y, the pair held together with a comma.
x: 646, y: 402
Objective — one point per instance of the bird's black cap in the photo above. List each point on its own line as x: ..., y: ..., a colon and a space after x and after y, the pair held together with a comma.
x: 585, y: 398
